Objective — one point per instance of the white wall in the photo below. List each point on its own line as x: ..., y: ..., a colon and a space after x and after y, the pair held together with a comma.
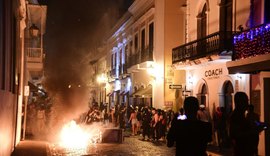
x: 196, y: 77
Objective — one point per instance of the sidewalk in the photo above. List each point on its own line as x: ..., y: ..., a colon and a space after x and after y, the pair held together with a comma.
x: 31, y: 148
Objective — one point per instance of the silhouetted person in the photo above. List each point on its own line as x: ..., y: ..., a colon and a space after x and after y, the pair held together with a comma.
x: 220, y: 126
x: 146, y: 121
x: 253, y: 119
x: 191, y: 135
x: 242, y: 133
x: 203, y: 114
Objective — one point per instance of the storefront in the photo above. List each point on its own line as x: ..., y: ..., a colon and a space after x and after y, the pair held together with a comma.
x: 214, y: 87
x: 252, y: 57
x: 141, y: 89
x: 259, y: 91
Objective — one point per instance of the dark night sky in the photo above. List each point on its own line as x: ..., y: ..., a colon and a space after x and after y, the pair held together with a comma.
x: 73, y: 28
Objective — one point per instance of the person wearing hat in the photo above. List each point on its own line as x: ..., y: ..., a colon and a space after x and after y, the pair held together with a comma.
x: 203, y: 114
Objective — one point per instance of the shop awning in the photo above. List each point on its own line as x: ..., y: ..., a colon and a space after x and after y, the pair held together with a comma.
x: 249, y: 65
x: 144, y: 93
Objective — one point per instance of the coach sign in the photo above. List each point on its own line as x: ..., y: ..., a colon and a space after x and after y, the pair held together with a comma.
x: 213, y: 73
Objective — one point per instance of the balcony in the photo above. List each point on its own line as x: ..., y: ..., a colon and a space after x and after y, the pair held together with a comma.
x: 209, y: 45
x: 113, y: 73
x: 34, y: 58
x: 140, y: 57
x: 147, y: 55
x: 252, y: 42
x: 122, y: 69
x: 251, y: 51
x: 133, y: 60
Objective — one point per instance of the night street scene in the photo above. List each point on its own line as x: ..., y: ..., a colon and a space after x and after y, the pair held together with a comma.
x: 134, y: 77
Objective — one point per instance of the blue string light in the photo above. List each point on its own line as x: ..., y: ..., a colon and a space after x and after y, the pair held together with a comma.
x: 253, y: 42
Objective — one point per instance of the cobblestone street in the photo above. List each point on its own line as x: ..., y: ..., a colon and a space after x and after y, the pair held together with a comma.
x: 132, y: 146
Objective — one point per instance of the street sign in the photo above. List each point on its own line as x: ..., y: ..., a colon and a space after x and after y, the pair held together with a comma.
x: 174, y: 86
x: 26, y: 90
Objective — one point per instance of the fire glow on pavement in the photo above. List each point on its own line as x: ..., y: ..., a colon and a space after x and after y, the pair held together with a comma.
x: 76, y: 139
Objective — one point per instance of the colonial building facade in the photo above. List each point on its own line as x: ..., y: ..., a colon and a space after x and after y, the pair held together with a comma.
x: 140, y: 53
x: 17, y: 54
x: 209, y: 49
x: 251, y: 58
x: 162, y: 51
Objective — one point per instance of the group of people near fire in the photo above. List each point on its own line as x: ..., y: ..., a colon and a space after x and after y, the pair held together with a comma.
x: 190, y: 129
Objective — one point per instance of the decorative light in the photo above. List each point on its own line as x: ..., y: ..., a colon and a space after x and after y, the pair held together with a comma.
x: 255, y: 41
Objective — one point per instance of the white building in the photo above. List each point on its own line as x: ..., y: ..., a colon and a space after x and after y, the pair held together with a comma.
x: 208, y: 47
x: 140, y: 48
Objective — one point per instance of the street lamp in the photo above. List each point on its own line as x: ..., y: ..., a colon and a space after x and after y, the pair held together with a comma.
x: 34, y: 30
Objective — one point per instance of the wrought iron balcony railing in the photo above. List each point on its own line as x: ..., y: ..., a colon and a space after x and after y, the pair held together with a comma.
x: 133, y: 60
x: 122, y: 69
x: 113, y: 73
x: 34, y: 55
x: 214, y: 43
x: 252, y: 42
x: 147, y: 54
x: 140, y: 57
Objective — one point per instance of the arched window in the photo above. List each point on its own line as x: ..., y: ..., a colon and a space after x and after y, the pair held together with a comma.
x: 202, y: 30
x: 203, y: 95
x: 202, y: 23
x: 225, y: 17
x: 228, y: 90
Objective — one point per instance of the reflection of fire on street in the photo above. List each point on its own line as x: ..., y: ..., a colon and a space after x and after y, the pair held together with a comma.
x: 76, y: 139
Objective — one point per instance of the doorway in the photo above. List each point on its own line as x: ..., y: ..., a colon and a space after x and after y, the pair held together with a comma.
x: 228, y: 91
x: 266, y: 99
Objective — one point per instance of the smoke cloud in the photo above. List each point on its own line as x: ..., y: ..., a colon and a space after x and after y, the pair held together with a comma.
x: 74, y: 30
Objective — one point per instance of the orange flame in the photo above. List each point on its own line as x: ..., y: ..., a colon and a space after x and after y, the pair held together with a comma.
x: 73, y: 136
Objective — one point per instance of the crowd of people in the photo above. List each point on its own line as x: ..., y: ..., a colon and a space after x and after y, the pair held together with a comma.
x: 148, y: 122
x: 193, y: 133
x: 192, y: 128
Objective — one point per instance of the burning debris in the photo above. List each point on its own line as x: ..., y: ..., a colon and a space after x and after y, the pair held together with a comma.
x: 77, y: 139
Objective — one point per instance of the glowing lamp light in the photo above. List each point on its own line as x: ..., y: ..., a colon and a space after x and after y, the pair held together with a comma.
x: 102, y: 78
x: 239, y: 76
x: 155, y: 71
x: 190, y: 80
x: 151, y: 70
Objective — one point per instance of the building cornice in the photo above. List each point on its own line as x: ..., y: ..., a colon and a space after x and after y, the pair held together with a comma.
x: 139, y: 7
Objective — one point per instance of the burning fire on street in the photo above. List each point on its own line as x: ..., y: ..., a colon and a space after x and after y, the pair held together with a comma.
x: 77, y: 139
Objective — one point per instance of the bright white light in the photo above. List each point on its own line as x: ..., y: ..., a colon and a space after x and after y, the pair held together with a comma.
x: 72, y: 136
x: 117, y: 85
x: 102, y: 78
x: 239, y: 76
x: 78, y: 138
x: 156, y: 71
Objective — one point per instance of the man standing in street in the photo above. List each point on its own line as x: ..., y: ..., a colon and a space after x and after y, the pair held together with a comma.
x: 242, y: 133
x: 191, y: 135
